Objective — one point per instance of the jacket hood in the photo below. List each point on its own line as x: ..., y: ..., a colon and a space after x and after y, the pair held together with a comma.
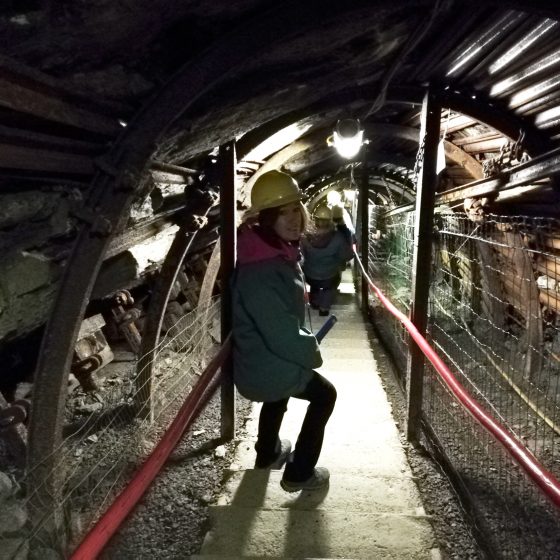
x: 255, y: 244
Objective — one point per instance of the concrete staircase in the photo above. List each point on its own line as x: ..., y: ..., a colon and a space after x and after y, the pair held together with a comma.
x: 372, y: 509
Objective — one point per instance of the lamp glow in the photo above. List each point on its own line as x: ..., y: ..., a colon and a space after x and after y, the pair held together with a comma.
x: 348, y: 138
x: 334, y: 198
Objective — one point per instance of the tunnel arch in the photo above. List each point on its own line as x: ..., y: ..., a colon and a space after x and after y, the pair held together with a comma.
x: 119, y: 173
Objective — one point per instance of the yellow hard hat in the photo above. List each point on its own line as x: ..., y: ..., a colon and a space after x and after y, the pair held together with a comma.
x: 272, y: 189
x: 323, y: 213
x: 337, y: 213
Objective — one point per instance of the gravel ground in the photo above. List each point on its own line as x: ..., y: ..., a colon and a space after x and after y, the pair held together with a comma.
x: 172, y: 519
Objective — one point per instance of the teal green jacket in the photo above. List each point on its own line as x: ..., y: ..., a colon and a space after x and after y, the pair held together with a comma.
x: 273, y: 354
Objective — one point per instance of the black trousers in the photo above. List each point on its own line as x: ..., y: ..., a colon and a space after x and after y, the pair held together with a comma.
x: 321, y: 395
x: 322, y: 293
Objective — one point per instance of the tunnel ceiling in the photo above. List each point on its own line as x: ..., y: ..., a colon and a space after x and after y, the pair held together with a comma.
x: 112, y: 110
x: 249, y: 69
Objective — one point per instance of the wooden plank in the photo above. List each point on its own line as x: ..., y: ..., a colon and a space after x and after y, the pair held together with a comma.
x: 167, y: 178
x: 553, y: 242
x: 33, y: 159
x: 19, y: 137
x: 486, y: 145
x: 21, y: 98
x: 549, y: 266
x: 171, y: 168
x: 457, y: 123
x: 138, y: 234
x: 17, y: 72
x: 461, y: 158
x: 463, y: 141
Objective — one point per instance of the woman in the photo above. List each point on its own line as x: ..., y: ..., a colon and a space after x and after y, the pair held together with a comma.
x: 325, y: 254
x: 274, y: 355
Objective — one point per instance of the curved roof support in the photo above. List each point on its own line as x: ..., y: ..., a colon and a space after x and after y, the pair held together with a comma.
x: 481, y: 108
x: 314, y: 172
x: 391, y: 183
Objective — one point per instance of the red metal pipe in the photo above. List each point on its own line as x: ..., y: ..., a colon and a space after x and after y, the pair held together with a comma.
x: 543, y: 478
x: 111, y: 520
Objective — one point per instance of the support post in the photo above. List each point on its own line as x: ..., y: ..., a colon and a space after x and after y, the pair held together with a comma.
x: 364, y: 225
x: 422, y: 258
x: 228, y: 195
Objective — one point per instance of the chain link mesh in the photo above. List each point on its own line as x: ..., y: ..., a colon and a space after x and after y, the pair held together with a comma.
x: 494, y: 317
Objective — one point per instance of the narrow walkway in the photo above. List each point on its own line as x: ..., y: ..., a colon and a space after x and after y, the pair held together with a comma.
x: 372, y: 509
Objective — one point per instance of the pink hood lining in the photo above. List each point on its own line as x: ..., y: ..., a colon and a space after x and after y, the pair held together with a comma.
x: 252, y: 248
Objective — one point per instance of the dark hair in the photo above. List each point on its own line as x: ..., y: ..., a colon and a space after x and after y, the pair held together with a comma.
x: 268, y: 217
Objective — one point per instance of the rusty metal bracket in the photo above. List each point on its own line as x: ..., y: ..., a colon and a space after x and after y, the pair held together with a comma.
x: 211, y: 198
x: 124, y: 318
x: 193, y: 223
x: 14, y: 414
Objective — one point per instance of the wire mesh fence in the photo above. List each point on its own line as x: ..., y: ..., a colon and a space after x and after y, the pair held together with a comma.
x: 105, y: 441
x: 494, y: 318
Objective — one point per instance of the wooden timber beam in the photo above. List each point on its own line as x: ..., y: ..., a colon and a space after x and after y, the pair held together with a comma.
x: 459, y: 122
x: 463, y: 159
x: 32, y: 159
x: 170, y: 168
x: 422, y: 253
x: 30, y: 92
x: 526, y: 173
x: 463, y: 141
x: 492, y: 145
x: 20, y: 137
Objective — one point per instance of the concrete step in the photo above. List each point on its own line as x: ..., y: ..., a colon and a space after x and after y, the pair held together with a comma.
x: 367, y: 459
x: 349, y: 331
x: 317, y: 534
x: 350, y: 493
x: 372, y: 508
x: 365, y: 366
x: 330, y: 352
x: 363, y: 343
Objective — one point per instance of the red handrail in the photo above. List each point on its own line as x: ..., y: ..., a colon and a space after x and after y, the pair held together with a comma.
x: 112, y: 519
x: 543, y: 478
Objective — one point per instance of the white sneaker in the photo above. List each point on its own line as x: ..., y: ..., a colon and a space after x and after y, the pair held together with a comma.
x: 319, y: 479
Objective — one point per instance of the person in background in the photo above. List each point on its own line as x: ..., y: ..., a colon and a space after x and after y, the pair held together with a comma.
x: 325, y: 254
x: 341, y: 225
x: 274, y: 356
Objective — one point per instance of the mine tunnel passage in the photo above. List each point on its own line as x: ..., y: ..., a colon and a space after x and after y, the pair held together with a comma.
x: 122, y: 168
